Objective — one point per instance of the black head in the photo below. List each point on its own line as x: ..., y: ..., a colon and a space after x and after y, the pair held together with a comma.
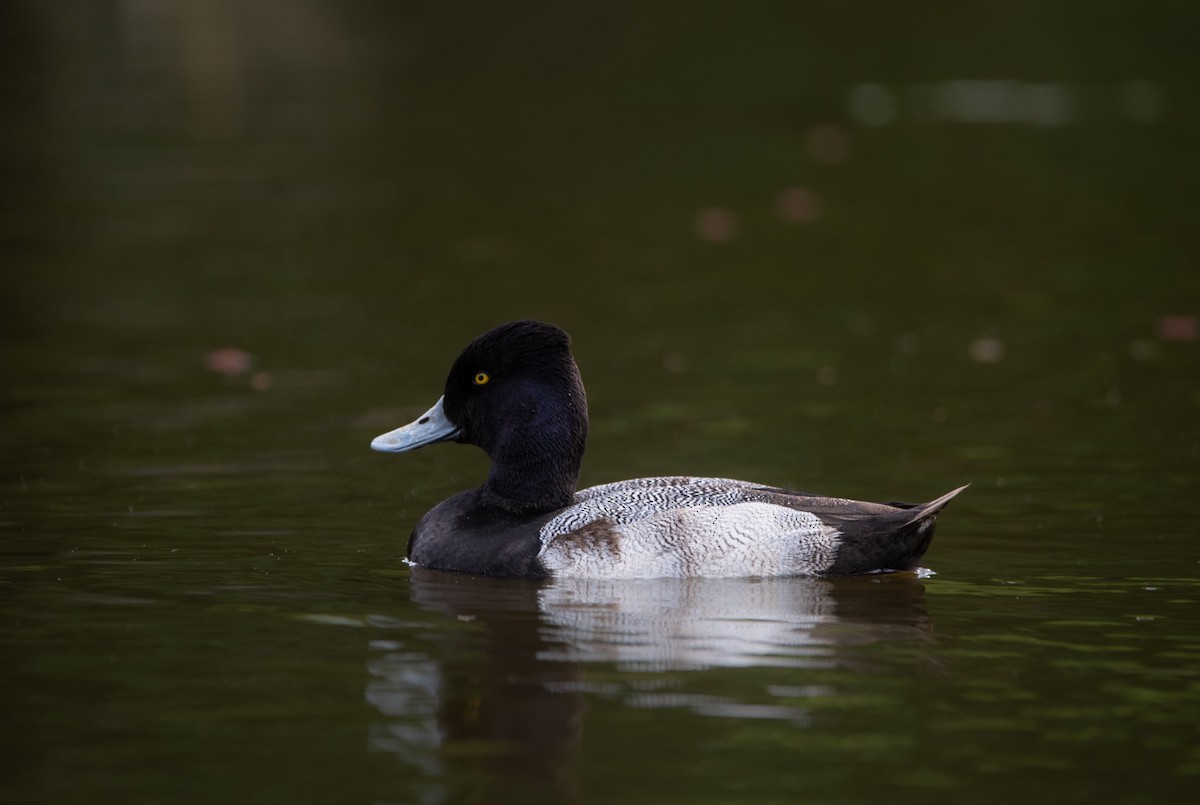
x: 515, y: 392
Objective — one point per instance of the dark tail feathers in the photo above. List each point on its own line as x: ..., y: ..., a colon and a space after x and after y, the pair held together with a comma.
x: 923, y: 510
x: 891, y: 541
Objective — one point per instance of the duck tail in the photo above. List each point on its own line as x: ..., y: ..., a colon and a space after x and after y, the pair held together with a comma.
x: 924, y: 510
x: 891, y: 541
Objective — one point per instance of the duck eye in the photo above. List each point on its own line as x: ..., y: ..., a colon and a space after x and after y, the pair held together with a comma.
x: 480, y: 379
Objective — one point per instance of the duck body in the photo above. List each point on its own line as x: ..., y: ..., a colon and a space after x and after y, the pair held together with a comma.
x: 515, y: 391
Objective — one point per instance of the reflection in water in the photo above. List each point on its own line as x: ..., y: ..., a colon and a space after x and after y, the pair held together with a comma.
x: 405, y: 687
x: 669, y: 624
x: 679, y: 624
x: 505, y: 695
x: 486, y: 708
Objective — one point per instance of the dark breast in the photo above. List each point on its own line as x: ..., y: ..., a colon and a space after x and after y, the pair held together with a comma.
x: 464, y: 535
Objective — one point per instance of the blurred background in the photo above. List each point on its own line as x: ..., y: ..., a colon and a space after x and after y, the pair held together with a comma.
x: 871, y: 250
x: 830, y: 207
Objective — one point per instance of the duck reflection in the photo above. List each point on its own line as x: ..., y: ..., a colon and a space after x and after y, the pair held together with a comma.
x: 686, y: 624
x: 468, y: 705
x: 503, y: 691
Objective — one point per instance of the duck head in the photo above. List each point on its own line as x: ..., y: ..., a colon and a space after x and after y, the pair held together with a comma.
x: 515, y: 392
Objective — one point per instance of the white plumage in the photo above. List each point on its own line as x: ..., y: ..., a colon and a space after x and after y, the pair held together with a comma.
x: 676, y: 527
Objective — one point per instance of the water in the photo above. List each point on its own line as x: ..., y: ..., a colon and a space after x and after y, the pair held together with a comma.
x: 239, y: 240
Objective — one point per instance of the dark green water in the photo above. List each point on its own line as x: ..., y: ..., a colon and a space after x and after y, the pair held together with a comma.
x: 838, y: 247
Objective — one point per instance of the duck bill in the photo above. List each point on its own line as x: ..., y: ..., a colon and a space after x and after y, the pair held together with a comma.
x: 431, y: 427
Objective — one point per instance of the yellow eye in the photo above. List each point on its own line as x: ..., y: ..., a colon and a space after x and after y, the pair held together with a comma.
x: 480, y: 379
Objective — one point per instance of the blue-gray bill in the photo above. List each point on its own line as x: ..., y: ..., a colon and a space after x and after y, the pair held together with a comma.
x: 431, y: 427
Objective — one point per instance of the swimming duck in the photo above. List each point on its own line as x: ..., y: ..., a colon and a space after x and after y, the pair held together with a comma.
x: 515, y: 391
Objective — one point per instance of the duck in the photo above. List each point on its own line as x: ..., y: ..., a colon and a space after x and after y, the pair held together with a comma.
x: 516, y: 392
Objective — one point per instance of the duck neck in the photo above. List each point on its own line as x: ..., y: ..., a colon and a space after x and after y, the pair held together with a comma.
x: 525, y: 487
x: 535, y: 466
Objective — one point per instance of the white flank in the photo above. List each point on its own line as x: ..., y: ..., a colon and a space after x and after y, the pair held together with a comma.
x: 679, y: 527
